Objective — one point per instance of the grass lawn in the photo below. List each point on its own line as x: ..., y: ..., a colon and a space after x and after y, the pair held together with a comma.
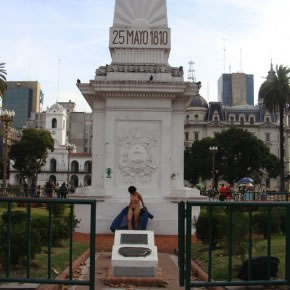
x: 59, y: 261
x: 220, y: 257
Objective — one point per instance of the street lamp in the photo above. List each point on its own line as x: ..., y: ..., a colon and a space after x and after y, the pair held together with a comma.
x: 213, y: 150
x: 6, y: 118
x: 69, y: 147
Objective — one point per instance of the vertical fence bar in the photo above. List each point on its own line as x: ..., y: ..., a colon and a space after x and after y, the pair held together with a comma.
x: 210, y: 235
x: 250, y: 245
x: 92, y: 245
x: 287, y: 254
x: 188, y: 245
x: 230, y: 241
x: 70, y: 241
x: 49, y: 241
x: 8, y: 240
x: 269, y: 229
x: 181, y: 210
x: 28, y: 239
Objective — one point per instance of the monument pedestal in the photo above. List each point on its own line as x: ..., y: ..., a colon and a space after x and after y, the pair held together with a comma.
x: 164, y: 210
x: 134, y: 254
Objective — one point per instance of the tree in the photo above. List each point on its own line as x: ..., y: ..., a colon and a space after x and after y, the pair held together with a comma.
x: 31, y: 151
x: 3, y: 84
x: 239, y: 154
x: 276, y: 94
x: 198, y: 160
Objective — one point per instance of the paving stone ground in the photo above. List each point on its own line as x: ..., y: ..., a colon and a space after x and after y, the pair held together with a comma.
x: 167, y: 263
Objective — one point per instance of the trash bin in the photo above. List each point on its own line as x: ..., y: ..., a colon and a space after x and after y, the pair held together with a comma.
x: 259, y: 266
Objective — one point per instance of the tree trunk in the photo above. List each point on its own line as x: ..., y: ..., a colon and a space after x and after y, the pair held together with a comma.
x: 282, y: 174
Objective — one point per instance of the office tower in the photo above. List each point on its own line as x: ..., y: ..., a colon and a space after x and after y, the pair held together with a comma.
x: 24, y: 98
x: 236, y: 89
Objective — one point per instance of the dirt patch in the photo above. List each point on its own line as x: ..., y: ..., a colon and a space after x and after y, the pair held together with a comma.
x: 104, y: 242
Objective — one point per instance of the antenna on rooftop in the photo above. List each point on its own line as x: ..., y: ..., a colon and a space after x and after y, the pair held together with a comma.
x: 29, y: 69
x: 207, y: 91
x: 225, y: 52
x: 191, y: 72
x: 58, y: 79
x: 241, y: 70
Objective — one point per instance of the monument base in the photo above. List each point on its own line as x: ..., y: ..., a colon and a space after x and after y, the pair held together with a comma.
x: 164, y: 209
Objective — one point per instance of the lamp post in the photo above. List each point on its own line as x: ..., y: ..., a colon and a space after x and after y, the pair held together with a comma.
x: 6, y: 118
x: 69, y: 148
x: 213, y: 150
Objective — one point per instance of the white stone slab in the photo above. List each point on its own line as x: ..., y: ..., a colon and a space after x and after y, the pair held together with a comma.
x: 119, y: 233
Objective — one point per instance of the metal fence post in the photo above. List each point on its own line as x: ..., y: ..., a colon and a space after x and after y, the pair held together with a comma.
x: 181, y: 216
x: 188, y: 245
x: 287, y: 262
x: 93, y: 245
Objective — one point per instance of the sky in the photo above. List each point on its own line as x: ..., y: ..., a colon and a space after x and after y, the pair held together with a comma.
x: 57, y: 42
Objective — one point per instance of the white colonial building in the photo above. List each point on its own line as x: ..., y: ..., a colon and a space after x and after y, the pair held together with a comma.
x: 64, y: 163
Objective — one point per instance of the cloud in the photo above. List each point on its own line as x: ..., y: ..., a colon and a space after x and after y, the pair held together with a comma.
x: 40, y: 32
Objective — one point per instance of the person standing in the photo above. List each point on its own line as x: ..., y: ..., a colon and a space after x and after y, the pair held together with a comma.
x: 134, y: 207
x: 25, y: 188
x: 223, y: 192
x: 33, y: 189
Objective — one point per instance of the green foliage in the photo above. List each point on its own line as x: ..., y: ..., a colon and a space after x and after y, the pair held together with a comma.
x: 3, y: 84
x: 19, y: 242
x: 31, y: 151
x: 220, y: 229
x: 202, y: 227
x: 276, y: 94
x: 239, y: 154
x: 198, y: 160
x: 239, y: 232
x: 17, y: 216
x: 57, y: 209
x: 59, y: 229
x: 261, y: 221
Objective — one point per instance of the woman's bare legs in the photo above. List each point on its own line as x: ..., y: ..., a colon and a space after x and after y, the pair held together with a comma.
x: 130, y: 216
x: 136, y: 217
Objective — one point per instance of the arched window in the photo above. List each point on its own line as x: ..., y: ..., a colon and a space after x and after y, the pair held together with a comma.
x: 87, y: 180
x: 54, y: 123
x: 187, y: 119
x: 74, y: 166
x: 268, y: 121
x: 215, y: 120
x: 74, y: 181
x: 88, y: 166
x: 196, y: 118
x: 52, y: 165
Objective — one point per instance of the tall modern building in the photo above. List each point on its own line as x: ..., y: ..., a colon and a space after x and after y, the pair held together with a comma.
x: 236, y: 89
x: 24, y: 98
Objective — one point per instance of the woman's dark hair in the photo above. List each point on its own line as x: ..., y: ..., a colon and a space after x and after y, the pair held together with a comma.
x: 132, y: 189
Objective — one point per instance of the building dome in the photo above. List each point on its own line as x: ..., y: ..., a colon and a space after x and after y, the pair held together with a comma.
x: 198, y: 101
x: 56, y: 108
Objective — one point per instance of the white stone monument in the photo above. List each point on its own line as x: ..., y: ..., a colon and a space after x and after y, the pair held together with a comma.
x: 138, y: 103
x: 133, y: 266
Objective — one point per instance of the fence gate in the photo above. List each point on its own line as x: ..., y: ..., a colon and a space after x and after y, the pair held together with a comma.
x: 185, y: 224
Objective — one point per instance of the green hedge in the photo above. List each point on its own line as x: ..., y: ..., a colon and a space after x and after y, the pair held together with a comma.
x: 39, y: 234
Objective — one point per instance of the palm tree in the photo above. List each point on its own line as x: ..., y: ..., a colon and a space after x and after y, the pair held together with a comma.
x: 276, y: 94
x: 3, y: 84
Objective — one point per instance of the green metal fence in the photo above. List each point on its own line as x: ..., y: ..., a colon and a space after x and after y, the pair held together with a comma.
x: 49, y: 202
x: 185, y: 225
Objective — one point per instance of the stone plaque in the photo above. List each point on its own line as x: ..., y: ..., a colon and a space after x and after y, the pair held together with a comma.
x: 134, y: 272
x: 134, y: 239
x: 134, y: 251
